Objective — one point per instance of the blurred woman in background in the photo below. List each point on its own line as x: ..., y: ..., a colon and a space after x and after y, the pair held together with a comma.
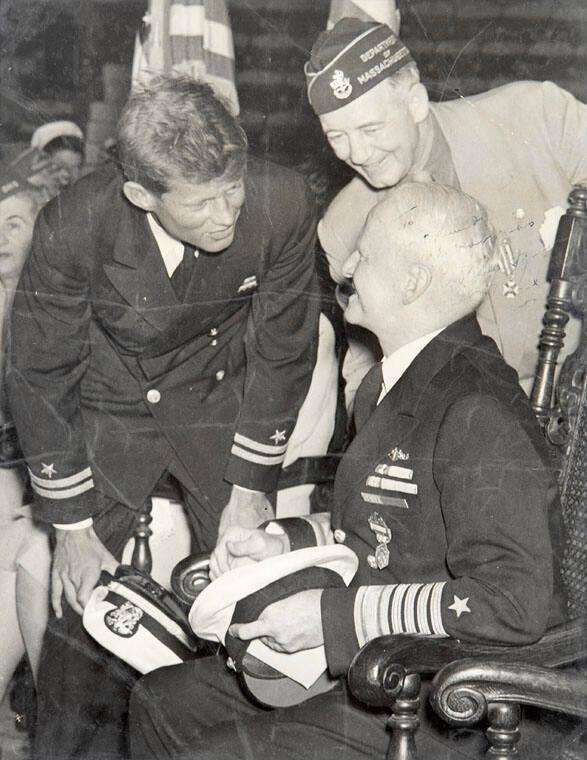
x: 63, y: 143
x: 24, y: 546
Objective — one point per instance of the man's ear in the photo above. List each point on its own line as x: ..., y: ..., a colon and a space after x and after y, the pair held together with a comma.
x: 418, y: 102
x: 418, y: 279
x: 139, y: 196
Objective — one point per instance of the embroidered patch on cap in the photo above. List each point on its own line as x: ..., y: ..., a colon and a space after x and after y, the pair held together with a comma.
x: 124, y: 619
x: 349, y: 60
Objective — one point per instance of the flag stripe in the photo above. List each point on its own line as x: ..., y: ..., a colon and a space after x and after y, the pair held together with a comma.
x: 189, y: 36
x: 191, y: 23
x: 215, y: 11
x: 366, y: 10
x: 189, y: 57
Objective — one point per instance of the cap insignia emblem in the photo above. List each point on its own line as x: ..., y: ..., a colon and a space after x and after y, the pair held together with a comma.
x: 341, y: 85
x: 124, y: 620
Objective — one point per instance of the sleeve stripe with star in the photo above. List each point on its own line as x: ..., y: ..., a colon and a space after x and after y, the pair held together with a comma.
x: 398, y: 608
x: 257, y: 458
x: 72, y: 480
x: 263, y: 448
x: 62, y: 488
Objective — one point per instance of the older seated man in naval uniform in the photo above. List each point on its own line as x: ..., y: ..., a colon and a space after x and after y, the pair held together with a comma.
x: 446, y: 496
x: 518, y: 149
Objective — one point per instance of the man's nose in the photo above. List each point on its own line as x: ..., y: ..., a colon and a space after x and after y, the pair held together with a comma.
x: 222, y: 212
x: 350, y: 264
x: 359, y: 150
x: 3, y: 238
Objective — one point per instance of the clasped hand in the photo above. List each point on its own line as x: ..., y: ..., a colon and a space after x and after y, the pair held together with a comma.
x: 288, y: 625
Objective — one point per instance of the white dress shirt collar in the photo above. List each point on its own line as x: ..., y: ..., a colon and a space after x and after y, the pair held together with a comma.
x: 394, y: 365
x: 170, y: 248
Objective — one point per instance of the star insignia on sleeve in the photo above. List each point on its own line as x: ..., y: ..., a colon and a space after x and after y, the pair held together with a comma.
x: 48, y: 469
x: 460, y: 605
x: 278, y: 436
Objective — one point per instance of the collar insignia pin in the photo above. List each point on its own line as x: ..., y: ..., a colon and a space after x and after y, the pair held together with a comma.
x: 396, y: 454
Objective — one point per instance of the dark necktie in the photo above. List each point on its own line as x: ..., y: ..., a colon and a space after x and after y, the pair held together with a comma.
x: 367, y: 395
x: 180, y: 279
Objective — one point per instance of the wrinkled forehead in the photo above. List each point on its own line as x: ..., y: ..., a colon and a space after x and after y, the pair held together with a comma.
x: 374, y: 105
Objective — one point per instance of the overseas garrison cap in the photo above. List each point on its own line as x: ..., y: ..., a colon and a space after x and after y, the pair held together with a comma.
x: 349, y: 60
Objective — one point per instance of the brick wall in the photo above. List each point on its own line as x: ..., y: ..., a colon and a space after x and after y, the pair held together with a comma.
x: 462, y: 47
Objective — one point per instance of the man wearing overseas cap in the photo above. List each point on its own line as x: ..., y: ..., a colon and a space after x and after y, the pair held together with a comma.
x: 446, y: 496
x: 165, y: 327
x: 518, y: 149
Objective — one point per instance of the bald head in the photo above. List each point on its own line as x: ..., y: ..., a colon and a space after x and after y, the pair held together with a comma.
x: 425, y: 259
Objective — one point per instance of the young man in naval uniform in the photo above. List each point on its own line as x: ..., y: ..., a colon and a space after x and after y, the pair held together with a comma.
x: 518, y: 149
x: 446, y: 495
x: 165, y: 324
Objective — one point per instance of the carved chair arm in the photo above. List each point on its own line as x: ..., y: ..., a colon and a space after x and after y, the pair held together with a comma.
x: 379, y: 669
x: 462, y: 691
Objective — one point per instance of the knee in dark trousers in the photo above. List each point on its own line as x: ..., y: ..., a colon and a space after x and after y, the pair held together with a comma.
x: 83, y: 694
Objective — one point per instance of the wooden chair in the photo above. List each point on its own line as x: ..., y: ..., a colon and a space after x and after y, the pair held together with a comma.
x: 475, y: 682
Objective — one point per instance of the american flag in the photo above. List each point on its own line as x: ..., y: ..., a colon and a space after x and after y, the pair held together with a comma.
x: 189, y: 36
x: 384, y: 11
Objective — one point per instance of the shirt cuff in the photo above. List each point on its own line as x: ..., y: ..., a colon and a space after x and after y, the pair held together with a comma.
x: 75, y: 526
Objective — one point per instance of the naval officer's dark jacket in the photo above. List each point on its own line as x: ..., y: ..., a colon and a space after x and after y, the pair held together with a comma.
x: 112, y: 376
x: 448, y: 498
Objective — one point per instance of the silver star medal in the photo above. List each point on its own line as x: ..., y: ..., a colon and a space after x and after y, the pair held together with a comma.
x: 380, y: 559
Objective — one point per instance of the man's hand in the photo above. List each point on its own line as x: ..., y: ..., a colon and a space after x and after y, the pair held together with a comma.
x: 245, y: 509
x: 289, y: 625
x: 78, y: 560
x: 242, y: 546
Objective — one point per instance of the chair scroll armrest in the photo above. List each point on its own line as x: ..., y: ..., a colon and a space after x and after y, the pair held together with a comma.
x: 190, y: 576
x: 462, y: 691
x: 378, y: 668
